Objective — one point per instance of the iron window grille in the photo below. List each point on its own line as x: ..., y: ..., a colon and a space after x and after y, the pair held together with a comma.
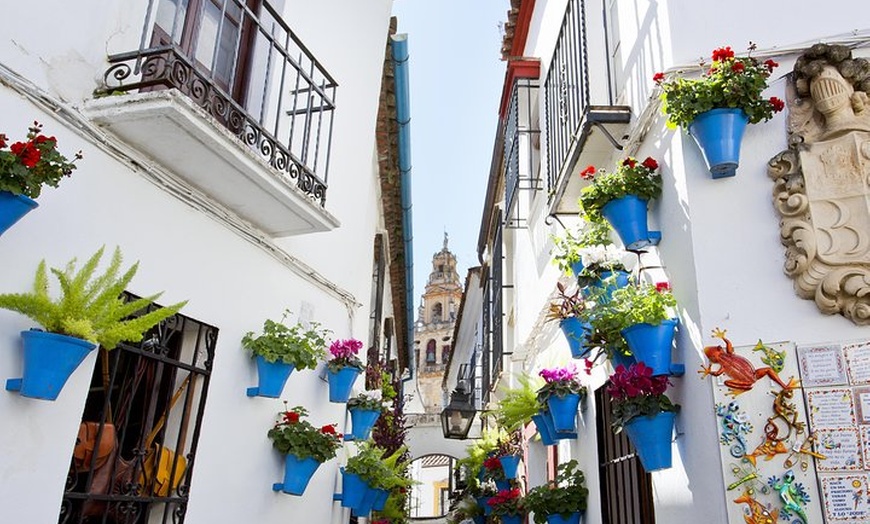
x: 496, y: 297
x: 240, y: 62
x: 521, y: 159
x: 132, y: 390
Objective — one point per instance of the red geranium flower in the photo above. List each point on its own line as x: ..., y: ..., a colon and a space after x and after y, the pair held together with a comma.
x: 630, y: 162
x: 588, y: 173
x: 492, y: 463
x: 723, y: 53
x: 770, y: 64
x: 26, y: 152
x: 659, y: 77
x: 650, y: 163
x: 328, y: 429
x: 291, y: 417
x: 2, y: 141
x: 738, y: 67
x: 778, y: 104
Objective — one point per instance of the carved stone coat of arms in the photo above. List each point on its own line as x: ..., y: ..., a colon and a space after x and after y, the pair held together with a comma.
x: 822, y: 182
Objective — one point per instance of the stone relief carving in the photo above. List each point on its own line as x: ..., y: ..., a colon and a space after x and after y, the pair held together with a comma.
x: 822, y: 182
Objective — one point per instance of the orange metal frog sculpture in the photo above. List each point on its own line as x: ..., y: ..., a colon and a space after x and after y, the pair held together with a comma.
x: 742, y: 375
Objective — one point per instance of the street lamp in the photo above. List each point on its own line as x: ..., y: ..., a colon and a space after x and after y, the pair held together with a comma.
x: 457, y: 417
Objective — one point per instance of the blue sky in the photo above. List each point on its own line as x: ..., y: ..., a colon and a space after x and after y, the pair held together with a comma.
x: 456, y: 77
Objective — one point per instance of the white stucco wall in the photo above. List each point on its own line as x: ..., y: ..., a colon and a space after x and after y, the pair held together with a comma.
x: 231, y: 283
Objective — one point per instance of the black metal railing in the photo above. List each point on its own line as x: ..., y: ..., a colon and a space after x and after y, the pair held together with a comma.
x: 496, y: 296
x: 145, y: 406
x: 240, y: 62
x: 566, y: 91
x: 521, y: 131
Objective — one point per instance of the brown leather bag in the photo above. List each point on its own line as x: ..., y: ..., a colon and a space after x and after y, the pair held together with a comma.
x: 90, y: 453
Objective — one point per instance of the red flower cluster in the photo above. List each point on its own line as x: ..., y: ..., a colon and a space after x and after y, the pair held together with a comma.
x: 492, y: 463
x: 2, y: 140
x: 659, y: 77
x: 291, y: 417
x: 723, y: 53
x: 503, y: 496
x: 777, y: 104
x: 738, y: 67
x: 662, y: 286
x: 629, y: 162
x: 26, y: 153
x: 328, y: 429
x: 770, y: 65
x: 636, y: 381
x: 588, y: 173
x: 650, y: 163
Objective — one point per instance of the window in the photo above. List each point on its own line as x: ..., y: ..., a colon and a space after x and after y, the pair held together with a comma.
x: 430, y: 352
x: 437, y: 312
x: 445, y: 354
x: 147, y: 396
x: 625, y: 487
x: 377, y: 302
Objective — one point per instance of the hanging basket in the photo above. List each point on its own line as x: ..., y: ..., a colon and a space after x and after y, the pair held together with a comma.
x: 271, y: 378
x: 563, y: 412
x: 297, y: 474
x: 49, y: 360
x: 628, y: 217
x: 510, y: 463
x: 558, y: 518
x: 651, y: 344
x: 576, y: 331
x: 341, y: 383
x: 651, y: 437
x: 13, y: 208
x: 353, y: 489
x: 718, y: 133
x: 362, y: 421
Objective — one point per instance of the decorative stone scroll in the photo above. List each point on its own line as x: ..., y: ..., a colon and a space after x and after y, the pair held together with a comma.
x: 822, y: 182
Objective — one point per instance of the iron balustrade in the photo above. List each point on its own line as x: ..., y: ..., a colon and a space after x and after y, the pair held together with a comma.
x: 240, y: 62
x: 566, y: 92
x: 496, y: 296
x: 521, y: 130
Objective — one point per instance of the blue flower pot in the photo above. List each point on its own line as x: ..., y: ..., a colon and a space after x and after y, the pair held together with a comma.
x: 361, y: 422
x: 297, y: 474
x: 510, y: 463
x: 381, y: 496
x: 479, y: 519
x: 718, y: 133
x: 512, y: 519
x: 558, y: 518
x: 547, y: 437
x: 49, y: 360
x: 341, y: 383
x: 620, y: 358
x: 577, y: 267
x: 12, y: 208
x: 576, y: 331
x: 366, y: 505
x: 651, y: 437
x: 563, y: 411
x: 652, y: 345
x: 271, y: 378
x: 502, y: 485
x: 610, y: 281
x: 353, y: 489
x: 628, y: 217
x: 481, y: 503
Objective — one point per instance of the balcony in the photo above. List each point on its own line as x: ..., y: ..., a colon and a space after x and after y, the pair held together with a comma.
x: 521, y: 141
x: 226, y: 97
x: 578, y: 133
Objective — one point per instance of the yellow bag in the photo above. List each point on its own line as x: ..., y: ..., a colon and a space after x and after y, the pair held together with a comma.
x: 163, y: 458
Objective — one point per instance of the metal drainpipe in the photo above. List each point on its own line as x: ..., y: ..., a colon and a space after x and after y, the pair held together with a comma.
x: 403, y: 117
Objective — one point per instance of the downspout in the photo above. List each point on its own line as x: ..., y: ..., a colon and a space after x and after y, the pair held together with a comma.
x: 403, y: 117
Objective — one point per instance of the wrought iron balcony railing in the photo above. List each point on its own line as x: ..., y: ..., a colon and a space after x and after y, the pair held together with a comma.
x: 520, y: 158
x: 240, y: 62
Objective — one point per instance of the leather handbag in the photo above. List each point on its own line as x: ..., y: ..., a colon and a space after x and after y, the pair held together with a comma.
x: 88, y: 453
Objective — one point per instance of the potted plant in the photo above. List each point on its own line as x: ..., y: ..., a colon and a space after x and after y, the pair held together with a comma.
x: 568, y: 310
x: 716, y: 107
x: 604, y: 271
x: 343, y: 368
x: 565, y: 251
x: 562, y: 393
x: 366, y: 478
x: 560, y: 501
x: 639, y: 405
x: 644, y: 315
x: 90, y: 311
x: 365, y: 409
x: 279, y: 350
x: 494, y: 471
x: 304, y: 446
x: 621, y: 197
x: 517, y: 405
x: 509, y: 452
x: 509, y: 505
x: 24, y: 168
x: 466, y: 508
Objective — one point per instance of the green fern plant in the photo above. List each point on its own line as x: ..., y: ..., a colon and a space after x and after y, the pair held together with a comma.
x: 90, y: 306
x: 517, y: 405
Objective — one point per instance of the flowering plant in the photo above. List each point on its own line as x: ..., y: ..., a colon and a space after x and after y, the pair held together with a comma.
x: 730, y: 82
x: 29, y: 165
x: 566, y: 305
x: 598, y: 260
x: 507, y: 502
x: 303, y: 347
x: 492, y: 469
x: 344, y: 353
x: 644, y: 303
x: 371, y: 400
x: 569, y: 248
x: 374, y: 467
x: 635, y: 392
x: 560, y: 382
x: 566, y: 495
x: 631, y: 177
x: 292, y: 435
